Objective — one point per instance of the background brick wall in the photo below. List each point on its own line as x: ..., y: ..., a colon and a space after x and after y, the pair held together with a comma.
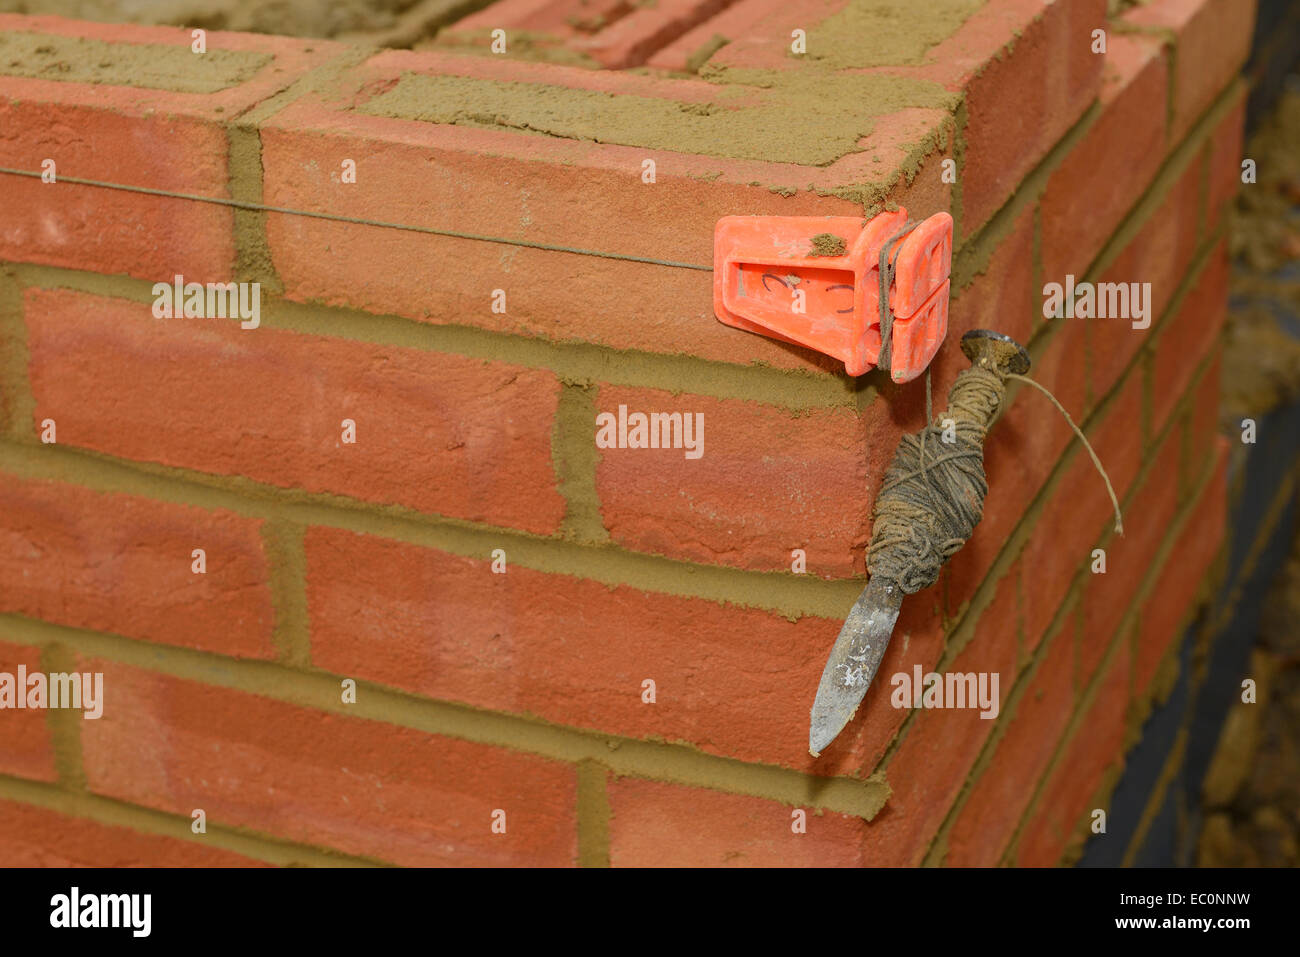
x: 372, y: 561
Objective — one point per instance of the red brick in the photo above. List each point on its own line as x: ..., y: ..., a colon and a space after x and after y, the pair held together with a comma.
x: 615, y: 34
x: 355, y: 785
x: 38, y: 837
x: 890, y: 157
x: 113, y: 231
x: 768, y: 481
x: 592, y: 16
x: 122, y: 564
x: 1116, y: 437
x: 438, y: 433
x: 575, y: 652
x: 1189, y: 336
x: 653, y: 824
x: 1024, y: 91
x: 1171, y: 603
x: 112, y: 133
x: 740, y: 21
x: 558, y: 17
x: 1096, y: 745
x: 1160, y: 254
x: 26, y: 746
x: 997, y: 801
x: 941, y: 745
x: 1002, y: 297
x: 1225, y: 159
x: 1079, y: 511
x: 1129, y: 557
x: 1212, y: 40
x: 630, y: 40
x: 1089, y: 194
x: 762, y: 40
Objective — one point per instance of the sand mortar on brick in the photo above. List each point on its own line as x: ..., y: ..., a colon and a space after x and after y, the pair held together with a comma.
x: 900, y: 31
x: 46, y: 56
x: 812, y: 117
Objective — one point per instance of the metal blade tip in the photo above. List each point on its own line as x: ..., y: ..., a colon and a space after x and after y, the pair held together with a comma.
x: 825, y: 729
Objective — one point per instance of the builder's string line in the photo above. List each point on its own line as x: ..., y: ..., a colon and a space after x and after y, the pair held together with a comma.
x: 427, y: 230
x: 885, y: 272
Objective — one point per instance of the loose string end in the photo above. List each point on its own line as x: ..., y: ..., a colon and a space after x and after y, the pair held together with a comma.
x: 1110, y: 489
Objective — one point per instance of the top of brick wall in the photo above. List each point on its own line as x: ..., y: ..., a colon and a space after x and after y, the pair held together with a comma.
x: 503, y: 145
x: 848, y: 118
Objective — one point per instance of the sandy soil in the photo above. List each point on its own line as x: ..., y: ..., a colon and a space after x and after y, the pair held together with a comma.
x: 1251, y: 796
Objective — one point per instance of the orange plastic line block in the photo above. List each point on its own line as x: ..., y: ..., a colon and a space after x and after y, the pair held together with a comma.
x: 815, y: 281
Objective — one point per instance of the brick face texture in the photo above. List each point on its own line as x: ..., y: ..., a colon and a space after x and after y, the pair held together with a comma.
x: 35, y: 837
x: 762, y: 466
x: 471, y: 637
x: 456, y: 436
x: 525, y: 641
x: 27, y: 749
x: 365, y: 788
x: 653, y: 824
x: 128, y: 233
x: 122, y: 564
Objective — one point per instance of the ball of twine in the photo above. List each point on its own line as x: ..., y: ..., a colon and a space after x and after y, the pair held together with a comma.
x: 933, y: 493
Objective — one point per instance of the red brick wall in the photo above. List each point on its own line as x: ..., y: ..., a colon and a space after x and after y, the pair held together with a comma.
x: 521, y: 692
